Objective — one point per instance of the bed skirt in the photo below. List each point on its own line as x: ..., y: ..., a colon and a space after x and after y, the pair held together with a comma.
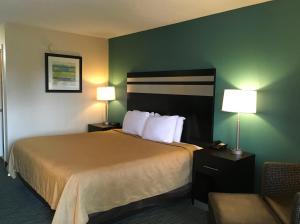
x: 118, y: 213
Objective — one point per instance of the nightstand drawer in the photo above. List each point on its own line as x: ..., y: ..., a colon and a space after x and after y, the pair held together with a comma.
x: 221, y: 171
x: 211, y: 165
x: 209, y: 169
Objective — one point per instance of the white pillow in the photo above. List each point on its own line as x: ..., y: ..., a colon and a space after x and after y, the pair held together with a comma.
x: 160, y: 128
x: 156, y: 114
x: 134, y: 122
x: 178, y: 129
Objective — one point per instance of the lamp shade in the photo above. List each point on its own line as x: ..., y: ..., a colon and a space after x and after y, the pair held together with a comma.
x: 240, y: 101
x: 106, y: 93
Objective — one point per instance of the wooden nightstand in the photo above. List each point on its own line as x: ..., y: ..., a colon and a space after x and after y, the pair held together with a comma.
x: 102, y: 127
x: 221, y: 171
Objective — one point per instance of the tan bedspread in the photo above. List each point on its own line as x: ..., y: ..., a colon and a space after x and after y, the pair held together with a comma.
x: 80, y: 174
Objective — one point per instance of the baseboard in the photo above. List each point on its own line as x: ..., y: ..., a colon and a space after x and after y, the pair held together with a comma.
x: 201, y: 205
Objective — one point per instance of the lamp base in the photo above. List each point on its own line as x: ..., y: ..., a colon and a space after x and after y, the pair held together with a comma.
x: 237, y: 152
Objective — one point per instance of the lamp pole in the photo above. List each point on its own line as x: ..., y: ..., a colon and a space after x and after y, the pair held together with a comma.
x: 237, y: 150
x: 106, y: 105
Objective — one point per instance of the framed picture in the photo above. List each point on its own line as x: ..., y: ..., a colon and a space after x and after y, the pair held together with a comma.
x: 63, y: 73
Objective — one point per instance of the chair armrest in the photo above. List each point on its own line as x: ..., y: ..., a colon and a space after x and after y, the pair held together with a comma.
x: 296, y: 210
x: 280, y: 178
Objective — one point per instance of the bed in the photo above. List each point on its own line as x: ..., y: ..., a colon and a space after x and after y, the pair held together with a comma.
x: 88, y: 173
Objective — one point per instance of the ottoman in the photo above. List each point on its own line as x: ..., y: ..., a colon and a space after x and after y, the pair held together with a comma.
x: 233, y: 208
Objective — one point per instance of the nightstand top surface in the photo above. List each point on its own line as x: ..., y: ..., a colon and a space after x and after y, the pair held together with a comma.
x: 102, y: 125
x: 225, y: 154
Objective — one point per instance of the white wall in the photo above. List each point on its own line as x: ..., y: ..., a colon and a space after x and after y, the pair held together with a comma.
x: 32, y: 111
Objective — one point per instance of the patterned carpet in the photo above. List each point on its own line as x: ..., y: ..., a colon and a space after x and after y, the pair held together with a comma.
x: 19, y: 206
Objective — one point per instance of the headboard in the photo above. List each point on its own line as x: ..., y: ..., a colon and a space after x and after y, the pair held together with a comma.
x: 188, y: 93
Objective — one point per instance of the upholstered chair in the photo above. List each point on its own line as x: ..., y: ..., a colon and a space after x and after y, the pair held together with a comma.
x: 279, y: 201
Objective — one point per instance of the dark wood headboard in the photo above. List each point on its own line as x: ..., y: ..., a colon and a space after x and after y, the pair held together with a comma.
x: 188, y: 93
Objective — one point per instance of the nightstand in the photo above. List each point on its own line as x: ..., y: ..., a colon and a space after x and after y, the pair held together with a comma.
x: 221, y: 171
x: 102, y: 127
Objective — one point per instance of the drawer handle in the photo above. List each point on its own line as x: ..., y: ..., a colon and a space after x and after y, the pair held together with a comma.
x: 211, y: 168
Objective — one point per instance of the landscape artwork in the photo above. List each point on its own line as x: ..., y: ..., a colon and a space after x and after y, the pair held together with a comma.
x: 63, y: 73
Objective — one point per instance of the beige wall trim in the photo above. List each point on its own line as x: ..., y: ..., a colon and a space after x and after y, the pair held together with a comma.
x: 4, y: 98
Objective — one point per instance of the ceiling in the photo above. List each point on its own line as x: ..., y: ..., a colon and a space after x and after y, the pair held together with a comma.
x: 111, y: 18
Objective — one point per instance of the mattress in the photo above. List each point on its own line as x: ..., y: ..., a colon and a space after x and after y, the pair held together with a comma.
x: 81, y: 174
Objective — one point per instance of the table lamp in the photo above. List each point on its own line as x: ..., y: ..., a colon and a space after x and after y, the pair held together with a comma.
x: 239, y: 101
x: 106, y: 93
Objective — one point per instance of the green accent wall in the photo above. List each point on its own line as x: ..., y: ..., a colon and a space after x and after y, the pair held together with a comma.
x: 254, y: 47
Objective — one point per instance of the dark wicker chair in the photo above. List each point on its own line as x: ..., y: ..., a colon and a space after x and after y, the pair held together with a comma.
x: 279, y: 201
x: 281, y: 187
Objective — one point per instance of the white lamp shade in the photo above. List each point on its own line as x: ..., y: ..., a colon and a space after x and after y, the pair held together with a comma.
x: 106, y: 93
x: 240, y: 101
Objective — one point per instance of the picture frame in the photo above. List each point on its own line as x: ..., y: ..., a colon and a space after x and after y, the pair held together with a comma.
x: 63, y: 73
